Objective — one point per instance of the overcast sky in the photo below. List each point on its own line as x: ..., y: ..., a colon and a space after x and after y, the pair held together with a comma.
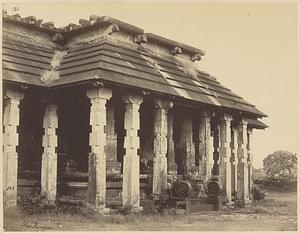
x: 250, y: 47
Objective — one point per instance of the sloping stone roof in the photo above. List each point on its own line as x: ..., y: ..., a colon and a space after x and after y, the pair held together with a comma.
x: 49, y: 57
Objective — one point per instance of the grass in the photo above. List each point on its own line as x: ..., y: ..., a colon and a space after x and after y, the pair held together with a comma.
x: 269, y: 214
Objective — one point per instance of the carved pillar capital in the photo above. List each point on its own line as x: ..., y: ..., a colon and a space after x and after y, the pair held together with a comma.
x: 132, y: 99
x: 99, y: 92
x: 13, y: 94
x: 163, y: 104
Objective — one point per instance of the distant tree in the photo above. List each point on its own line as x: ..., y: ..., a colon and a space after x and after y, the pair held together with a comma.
x: 281, y: 166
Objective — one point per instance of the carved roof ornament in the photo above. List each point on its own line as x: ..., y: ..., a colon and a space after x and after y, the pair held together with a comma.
x: 4, y: 13
x: 138, y: 39
x: 38, y: 22
x: 16, y: 17
x: 72, y: 26
x: 84, y: 22
x: 29, y: 19
x: 58, y: 37
x: 48, y: 25
x: 93, y: 19
x: 195, y: 57
x: 113, y: 28
x: 176, y: 50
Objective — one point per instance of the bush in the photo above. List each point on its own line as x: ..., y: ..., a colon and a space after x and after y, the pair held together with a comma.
x: 257, y: 193
x: 281, y: 166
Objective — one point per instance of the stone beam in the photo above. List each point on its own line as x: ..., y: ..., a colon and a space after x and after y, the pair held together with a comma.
x: 11, y: 119
x: 96, y: 196
x: 225, y: 154
x: 131, y: 161
x: 49, y: 156
x: 160, y: 146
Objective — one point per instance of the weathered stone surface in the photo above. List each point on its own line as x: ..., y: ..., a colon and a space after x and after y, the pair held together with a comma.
x: 112, y: 166
x: 160, y: 146
x: 205, y: 145
x: 49, y: 156
x: 185, y: 141
x: 11, y: 118
x: 225, y: 153
x: 250, y: 160
x: 131, y: 161
x: 96, y: 196
x: 242, y: 167
x: 234, y: 159
x: 172, y: 166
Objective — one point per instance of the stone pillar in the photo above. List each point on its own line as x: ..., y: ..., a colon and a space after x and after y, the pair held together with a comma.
x: 113, y: 167
x: 242, y: 167
x: 225, y: 154
x: 49, y: 156
x: 234, y: 159
x: 205, y: 145
x: 216, y: 149
x: 172, y: 166
x: 96, y: 196
x: 160, y: 146
x: 131, y: 165
x: 250, y: 160
x: 11, y: 119
x: 186, y: 142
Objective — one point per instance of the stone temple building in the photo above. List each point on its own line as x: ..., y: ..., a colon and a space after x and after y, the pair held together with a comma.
x: 106, y: 114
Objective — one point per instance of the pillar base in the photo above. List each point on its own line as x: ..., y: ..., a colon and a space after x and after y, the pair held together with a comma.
x: 99, y: 210
x: 133, y: 209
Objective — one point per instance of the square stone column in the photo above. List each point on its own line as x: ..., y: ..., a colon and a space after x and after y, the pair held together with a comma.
x: 186, y: 140
x: 205, y: 145
x: 96, y: 195
x: 49, y: 156
x: 11, y: 119
x: 113, y: 167
x: 250, y: 159
x: 225, y: 154
x: 172, y: 166
x: 160, y: 146
x: 242, y: 167
x: 216, y: 149
x: 131, y: 161
x: 234, y: 159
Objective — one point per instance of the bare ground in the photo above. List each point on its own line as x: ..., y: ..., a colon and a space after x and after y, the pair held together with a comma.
x: 278, y: 212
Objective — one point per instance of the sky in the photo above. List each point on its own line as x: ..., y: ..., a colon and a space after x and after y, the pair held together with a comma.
x: 250, y: 47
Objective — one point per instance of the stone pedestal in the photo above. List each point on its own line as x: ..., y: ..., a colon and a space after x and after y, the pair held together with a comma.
x: 160, y: 146
x: 131, y: 161
x: 96, y: 195
x: 11, y: 118
x: 225, y: 154
x: 242, y: 167
x: 49, y: 156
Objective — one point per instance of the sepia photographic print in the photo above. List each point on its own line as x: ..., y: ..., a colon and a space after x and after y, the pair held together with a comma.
x: 149, y: 116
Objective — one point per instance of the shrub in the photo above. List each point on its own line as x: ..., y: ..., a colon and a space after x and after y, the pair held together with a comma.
x: 281, y: 166
x: 257, y: 193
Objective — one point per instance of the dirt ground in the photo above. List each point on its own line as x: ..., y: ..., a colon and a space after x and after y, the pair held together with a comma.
x: 277, y: 212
